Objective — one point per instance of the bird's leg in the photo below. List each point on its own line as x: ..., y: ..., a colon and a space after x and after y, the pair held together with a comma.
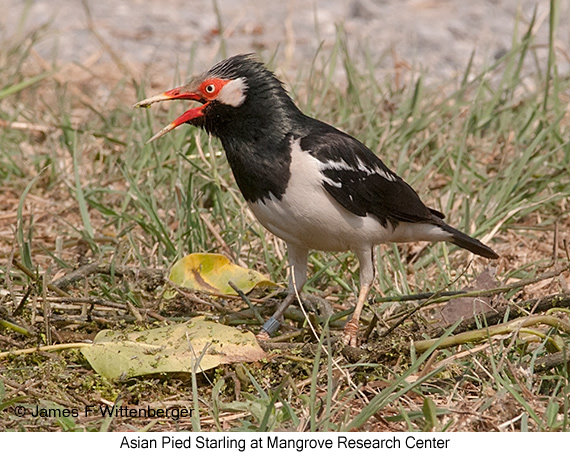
x: 366, y: 258
x: 274, y: 322
x: 297, y: 278
x: 351, y: 327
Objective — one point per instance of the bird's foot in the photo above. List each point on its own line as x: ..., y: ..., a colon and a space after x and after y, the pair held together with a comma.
x: 268, y: 328
x: 349, y: 336
x: 262, y: 336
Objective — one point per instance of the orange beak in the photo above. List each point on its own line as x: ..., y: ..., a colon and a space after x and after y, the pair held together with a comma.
x: 177, y: 93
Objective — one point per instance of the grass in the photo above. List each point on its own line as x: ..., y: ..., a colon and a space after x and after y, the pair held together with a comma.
x: 79, y: 185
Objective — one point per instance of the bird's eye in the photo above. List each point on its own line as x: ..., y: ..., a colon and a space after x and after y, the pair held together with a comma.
x: 210, y: 88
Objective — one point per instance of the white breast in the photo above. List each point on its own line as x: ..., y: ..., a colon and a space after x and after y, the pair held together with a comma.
x: 308, y: 216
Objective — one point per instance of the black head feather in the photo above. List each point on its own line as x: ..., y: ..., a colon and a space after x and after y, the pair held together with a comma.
x: 267, y: 107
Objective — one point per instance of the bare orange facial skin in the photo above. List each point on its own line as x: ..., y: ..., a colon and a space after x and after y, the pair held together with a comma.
x: 211, y: 88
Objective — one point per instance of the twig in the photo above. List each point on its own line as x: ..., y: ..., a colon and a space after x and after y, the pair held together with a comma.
x: 76, y: 275
x: 522, y: 309
x: 37, y: 128
x: 107, y: 269
x: 9, y: 341
x: 22, y: 302
x: 548, y: 362
x: 32, y: 276
x: 285, y: 337
x: 46, y: 348
x: 244, y: 297
x: 502, y: 289
x: 14, y: 327
x: 88, y: 300
x: 27, y: 389
x: 72, y: 277
x: 186, y: 293
x: 66, y: 244
x: 313, y: 348
x: 484, y: 333
x: 460, y: 294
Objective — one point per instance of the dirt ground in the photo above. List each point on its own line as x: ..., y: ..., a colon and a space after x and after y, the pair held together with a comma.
x: 436, y: 36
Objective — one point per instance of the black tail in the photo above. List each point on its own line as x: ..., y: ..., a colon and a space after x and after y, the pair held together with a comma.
x: 469, y: 243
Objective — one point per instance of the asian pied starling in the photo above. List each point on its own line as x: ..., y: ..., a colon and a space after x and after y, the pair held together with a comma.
x: 310, y: 184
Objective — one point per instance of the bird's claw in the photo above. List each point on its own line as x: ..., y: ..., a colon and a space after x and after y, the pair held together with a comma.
x: 349, y: 336
x: 262, y: 336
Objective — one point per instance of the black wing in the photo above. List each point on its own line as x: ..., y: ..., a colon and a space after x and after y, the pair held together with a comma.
x: 358, y: 180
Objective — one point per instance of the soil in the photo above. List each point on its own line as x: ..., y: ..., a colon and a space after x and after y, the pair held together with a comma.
x: 434, y: 36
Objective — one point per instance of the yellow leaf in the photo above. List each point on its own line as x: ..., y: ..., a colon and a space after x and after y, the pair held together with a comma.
x: 212, y: 272
x: 198, y: 344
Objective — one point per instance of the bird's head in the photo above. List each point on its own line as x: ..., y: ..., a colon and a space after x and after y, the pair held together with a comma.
x: 237, y: 89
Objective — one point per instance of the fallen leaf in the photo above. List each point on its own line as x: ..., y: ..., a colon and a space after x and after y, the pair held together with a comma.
x: 467, y: 307
x: 198, y: 344
x: 212, y: 273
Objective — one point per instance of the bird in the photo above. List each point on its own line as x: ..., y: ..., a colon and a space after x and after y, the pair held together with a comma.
x: 307, y: 182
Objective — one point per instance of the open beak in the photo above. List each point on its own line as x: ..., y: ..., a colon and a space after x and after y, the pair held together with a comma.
x: 177, y: 93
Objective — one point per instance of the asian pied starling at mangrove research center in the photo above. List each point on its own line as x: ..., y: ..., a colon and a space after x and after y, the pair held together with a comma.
x: 307, y: 182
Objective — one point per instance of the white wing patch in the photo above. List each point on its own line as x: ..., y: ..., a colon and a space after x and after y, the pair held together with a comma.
x: 332, y: 182
x: 341, y: 165
x: 376, y: 170
x: 233, y: 93
x: 335, y: 165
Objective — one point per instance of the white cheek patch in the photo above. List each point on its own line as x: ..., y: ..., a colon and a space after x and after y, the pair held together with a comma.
x: 233, y: 93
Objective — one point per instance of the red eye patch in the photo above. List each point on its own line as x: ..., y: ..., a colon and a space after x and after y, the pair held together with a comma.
x: 211, y: 88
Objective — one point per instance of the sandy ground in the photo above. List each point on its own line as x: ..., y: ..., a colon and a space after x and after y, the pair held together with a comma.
x: 436, y: 36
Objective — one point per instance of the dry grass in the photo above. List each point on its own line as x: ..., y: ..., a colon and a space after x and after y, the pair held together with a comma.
x: 80, y: 187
